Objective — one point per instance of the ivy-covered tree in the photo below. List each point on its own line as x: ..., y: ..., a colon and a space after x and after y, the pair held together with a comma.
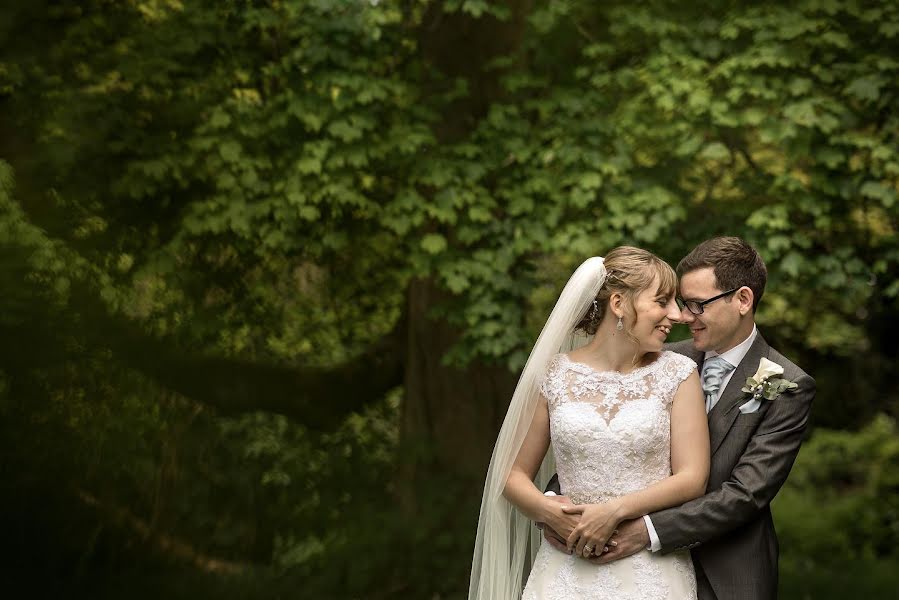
x: 311, y: 203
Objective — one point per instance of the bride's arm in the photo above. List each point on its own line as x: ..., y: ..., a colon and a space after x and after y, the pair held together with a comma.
x: 690, y: 456
x: 689, y: 467
x: 520, y: 489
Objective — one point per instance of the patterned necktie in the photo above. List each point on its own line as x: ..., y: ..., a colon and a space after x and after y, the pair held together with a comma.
x: 714, y: 370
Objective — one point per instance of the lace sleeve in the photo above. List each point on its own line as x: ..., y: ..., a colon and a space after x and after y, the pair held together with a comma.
x: 549, y: 387
x: 675, y: 370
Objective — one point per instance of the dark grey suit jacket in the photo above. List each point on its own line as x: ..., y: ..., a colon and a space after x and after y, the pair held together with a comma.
x: 730, y: 530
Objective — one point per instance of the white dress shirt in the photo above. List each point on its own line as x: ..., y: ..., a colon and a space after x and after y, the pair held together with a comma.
x: 734, y: 356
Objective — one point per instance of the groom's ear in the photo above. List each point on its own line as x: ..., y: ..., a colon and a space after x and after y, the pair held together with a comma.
x: 744, y: 297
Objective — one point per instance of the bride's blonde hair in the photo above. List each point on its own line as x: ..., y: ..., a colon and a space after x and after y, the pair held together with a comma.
x: 630, y: 271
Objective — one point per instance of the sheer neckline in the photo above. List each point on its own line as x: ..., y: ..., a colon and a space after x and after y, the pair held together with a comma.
x: 638, y: 371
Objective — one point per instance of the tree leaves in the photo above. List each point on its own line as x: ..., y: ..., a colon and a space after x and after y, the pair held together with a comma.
x: 866, y: 88
x: 263, y: 180
x: 433, y: 243
x: 318, y: 131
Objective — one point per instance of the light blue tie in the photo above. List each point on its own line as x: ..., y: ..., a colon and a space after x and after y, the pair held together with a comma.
x: 714, y: 370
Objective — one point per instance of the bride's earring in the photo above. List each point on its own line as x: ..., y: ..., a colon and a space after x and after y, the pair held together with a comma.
x: 620, y: 325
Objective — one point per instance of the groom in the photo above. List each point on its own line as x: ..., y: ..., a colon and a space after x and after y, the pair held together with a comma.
x: 729, y: 530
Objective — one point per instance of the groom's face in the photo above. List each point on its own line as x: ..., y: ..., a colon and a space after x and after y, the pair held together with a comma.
x: 717, y: 328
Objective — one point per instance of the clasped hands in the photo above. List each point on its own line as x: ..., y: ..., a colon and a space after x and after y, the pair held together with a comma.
x: 572, y: 528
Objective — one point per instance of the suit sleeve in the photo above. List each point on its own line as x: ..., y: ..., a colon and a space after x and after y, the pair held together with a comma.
x: 553, y: 485
x: 755, y: 480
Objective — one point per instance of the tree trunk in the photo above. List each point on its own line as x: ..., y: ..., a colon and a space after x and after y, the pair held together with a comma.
x: 450, y: 416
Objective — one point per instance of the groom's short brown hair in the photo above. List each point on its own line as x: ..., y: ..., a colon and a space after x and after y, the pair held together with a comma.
x: 734, y: 262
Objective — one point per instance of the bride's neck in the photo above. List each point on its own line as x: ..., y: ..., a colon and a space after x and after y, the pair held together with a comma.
x: 613, y: 350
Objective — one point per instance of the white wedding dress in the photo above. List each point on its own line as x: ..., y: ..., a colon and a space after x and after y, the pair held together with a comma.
x: 611, y: 436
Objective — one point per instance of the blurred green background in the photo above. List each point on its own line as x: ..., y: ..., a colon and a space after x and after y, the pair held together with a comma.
x: 269, y: 268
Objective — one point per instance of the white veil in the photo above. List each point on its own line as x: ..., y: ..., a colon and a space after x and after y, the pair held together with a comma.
x: 505, y: 536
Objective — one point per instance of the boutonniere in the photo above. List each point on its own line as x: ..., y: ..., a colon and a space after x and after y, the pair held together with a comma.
x: 764, y: 385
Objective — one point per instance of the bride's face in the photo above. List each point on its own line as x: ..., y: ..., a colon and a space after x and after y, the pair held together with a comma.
x: 655, y: 312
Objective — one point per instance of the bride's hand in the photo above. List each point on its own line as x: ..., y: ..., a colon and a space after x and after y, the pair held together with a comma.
x: 598, y: 521
x: 560, y: 522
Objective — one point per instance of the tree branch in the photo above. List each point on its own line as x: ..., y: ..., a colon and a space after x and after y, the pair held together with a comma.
x: 166, y: 544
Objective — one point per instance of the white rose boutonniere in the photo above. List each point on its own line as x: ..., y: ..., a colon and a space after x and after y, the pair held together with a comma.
x: 764, y: 385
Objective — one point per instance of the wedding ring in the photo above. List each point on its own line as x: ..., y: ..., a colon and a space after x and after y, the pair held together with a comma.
x: 588, y: 550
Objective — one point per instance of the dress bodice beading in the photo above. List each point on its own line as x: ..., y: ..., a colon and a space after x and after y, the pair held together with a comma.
x: 611, y: 431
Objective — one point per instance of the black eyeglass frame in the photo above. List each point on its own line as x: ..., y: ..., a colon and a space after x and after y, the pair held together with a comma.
x: 700, y: 305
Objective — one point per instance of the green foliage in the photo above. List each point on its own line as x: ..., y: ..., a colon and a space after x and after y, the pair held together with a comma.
x: 262, y: 180
x: 262, y: 138
x: 841, y: 502
x: 870, y: 578
x: 95, y: 429
x: 770, y: 389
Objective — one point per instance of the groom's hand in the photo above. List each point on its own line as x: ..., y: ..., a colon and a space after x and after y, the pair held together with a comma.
x: 550, y: 535
x: 630, y: 539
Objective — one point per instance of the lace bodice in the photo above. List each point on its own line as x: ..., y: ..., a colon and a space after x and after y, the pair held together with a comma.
x: 611, y: 431
x: 611, y: 436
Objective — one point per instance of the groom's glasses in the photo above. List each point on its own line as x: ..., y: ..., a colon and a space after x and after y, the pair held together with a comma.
x: 698, y: 306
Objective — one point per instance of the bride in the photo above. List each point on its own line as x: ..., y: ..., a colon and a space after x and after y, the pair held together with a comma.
x: 627, y: 426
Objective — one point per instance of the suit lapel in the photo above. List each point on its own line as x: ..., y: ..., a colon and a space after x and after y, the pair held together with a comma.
x: 724, y: 413
x: 698, y: 358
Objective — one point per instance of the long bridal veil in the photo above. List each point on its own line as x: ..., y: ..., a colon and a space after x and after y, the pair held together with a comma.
x: 505, y: 537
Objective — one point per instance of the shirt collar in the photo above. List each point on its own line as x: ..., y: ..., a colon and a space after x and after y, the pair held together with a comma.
x: 735, y: 355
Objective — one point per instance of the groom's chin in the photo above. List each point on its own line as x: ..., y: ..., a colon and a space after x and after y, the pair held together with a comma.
x: 698, y: 345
